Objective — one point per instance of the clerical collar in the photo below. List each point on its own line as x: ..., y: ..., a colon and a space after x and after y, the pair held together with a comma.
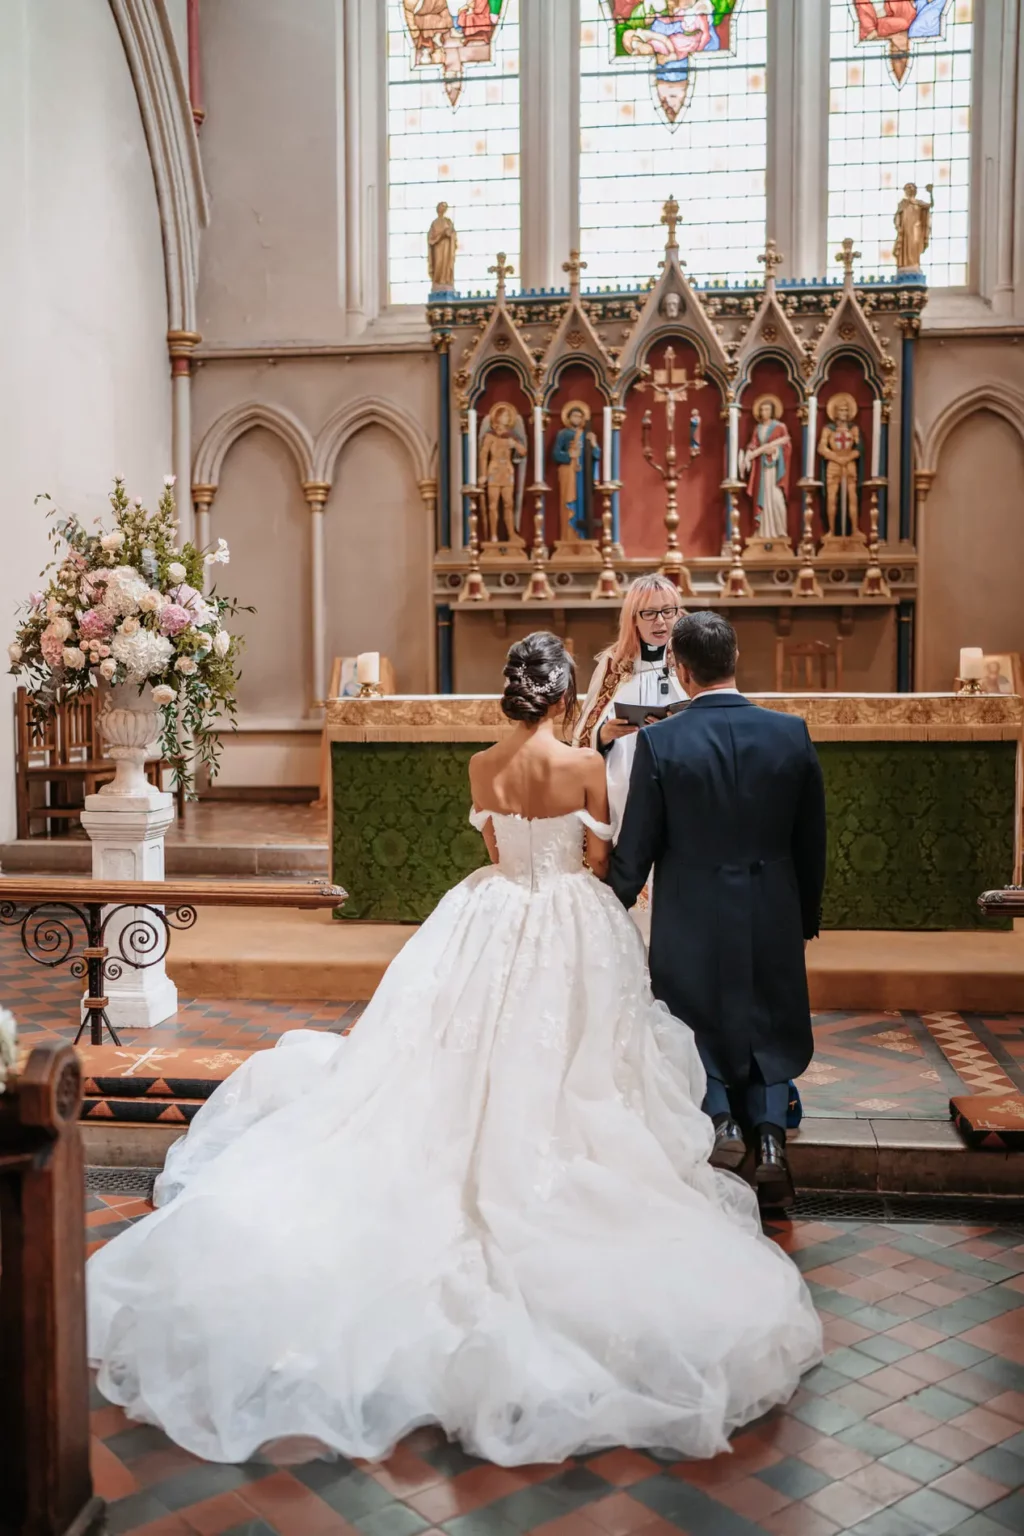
x: 651, y: 652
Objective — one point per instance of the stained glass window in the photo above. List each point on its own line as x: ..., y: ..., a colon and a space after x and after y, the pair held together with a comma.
x: 453, y: 136
x: 672, y: 102
x: 900, y: 111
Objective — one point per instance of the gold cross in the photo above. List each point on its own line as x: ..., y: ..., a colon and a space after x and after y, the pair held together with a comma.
x: 502, y: 270
x: 670, y: 217
x: 848, y: 256
x: 671, y: 385
x: 574, y: 267
x: 771, y: 258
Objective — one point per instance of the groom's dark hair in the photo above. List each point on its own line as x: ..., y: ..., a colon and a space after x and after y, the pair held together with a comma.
x: 705, y: 643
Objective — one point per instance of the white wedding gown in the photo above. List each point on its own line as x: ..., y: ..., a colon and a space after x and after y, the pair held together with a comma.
x: 489, y: 1208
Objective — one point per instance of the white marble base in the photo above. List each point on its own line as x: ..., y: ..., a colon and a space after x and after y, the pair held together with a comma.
x: 127, y: 834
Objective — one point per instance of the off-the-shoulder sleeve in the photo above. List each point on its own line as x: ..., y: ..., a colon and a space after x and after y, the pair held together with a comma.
x: 600, y: 829
x: 479, y: 819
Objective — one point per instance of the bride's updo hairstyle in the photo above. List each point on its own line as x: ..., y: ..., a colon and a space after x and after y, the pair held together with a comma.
x: 538, y: 673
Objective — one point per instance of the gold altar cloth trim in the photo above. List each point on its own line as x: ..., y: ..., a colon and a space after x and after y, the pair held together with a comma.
x: 829, y: 716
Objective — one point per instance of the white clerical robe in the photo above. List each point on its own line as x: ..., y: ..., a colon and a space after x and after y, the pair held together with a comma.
x: 652, y: 682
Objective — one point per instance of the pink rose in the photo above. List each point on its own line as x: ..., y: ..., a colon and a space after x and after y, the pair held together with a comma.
x: 174, y: 618
x: 51, y: 643
x: 94, y: 624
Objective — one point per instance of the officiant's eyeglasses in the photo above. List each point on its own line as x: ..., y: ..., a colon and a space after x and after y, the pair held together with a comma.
x: 650, y: 614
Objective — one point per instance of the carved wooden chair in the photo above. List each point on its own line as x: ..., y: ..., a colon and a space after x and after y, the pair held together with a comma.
x: 812, y: 666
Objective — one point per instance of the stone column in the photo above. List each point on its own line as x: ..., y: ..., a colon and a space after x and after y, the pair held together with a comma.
x: 202, y: 501
x: 126, y: 822
x: 316, y: 493
x: 181, y: 345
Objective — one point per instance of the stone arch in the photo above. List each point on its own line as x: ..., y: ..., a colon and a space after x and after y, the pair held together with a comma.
x: 371, y: 411
x: 227, y: 429
x: 162, y: 93
x: 1001, y: 399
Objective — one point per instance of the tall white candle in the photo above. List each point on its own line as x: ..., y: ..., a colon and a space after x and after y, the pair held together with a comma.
x: 876, y: 439
x: 734, y: 441
x: 368, y: 667
x: 607, y: 445
x: 972, y: 663
x: 812, y: 432
x: 538, y: 444
x: 471, y: 434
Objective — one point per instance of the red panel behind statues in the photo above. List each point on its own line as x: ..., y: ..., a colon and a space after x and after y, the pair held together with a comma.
x: 701, y: 503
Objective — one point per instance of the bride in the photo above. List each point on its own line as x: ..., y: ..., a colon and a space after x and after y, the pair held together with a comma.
x: 490, y: 1208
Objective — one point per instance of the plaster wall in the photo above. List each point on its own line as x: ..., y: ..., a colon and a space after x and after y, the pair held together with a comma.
x: 84, y: 383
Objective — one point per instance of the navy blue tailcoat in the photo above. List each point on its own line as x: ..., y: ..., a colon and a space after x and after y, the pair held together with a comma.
x: 726, y: 802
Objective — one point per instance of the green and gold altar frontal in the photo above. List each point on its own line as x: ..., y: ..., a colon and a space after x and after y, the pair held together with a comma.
x: 923, y: 793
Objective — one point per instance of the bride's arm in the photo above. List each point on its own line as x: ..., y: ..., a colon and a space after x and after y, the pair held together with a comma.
x: 487, y: 830
x: 598, y: 851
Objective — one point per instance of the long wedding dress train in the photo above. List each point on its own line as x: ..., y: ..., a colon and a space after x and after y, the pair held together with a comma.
x: 489, y: 1208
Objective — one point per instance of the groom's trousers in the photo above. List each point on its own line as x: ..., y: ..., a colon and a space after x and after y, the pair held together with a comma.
x: 758, y: 1103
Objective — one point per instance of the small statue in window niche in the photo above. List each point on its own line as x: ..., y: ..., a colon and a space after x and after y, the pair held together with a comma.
x: 913, y: 221
x: 442, y: 243
x: 839, y: 445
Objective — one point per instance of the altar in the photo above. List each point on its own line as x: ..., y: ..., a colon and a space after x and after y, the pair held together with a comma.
x: 923, y: 798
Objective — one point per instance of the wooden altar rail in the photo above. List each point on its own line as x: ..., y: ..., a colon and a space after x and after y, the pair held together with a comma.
x: 48, y: 911
x: 45, y: 1483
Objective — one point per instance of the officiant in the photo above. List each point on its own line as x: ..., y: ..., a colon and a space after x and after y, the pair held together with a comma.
x: 637, y: 669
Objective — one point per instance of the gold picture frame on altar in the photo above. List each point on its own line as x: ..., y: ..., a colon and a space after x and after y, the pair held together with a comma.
x: 1003, y: 673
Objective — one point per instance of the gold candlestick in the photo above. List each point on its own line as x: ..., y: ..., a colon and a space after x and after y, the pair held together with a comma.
x: 807, y: 584
x: 474, y: 588
x: 606, y: 585
x: 538, y: 588
x: 671, y: 388
x: 874, y: 583
x: 736, y: 583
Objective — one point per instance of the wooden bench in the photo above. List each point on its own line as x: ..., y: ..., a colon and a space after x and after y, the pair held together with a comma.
x: 45, y: 1483
x: 64, y: 921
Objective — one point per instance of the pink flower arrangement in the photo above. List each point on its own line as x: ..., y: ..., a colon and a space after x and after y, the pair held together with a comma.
x: 174, y: 618
x: 94, y: 624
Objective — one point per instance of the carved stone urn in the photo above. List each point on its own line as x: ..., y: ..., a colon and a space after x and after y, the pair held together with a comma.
x: 130, y: 724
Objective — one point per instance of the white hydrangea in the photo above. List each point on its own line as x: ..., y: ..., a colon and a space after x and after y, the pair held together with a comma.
x: 8, y: 1044
x: 125, y: 590
x: 143, y: 654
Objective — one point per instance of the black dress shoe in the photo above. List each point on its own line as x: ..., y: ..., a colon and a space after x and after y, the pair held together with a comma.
x: 772, y: 1178
x: 729, y: 1149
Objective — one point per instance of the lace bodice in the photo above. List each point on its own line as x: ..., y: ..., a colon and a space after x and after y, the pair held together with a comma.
x: 535, y: 850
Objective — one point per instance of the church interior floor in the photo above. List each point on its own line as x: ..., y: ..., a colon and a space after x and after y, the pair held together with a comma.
x: 912, y: 1426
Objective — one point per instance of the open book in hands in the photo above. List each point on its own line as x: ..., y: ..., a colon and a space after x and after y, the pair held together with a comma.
x: 643, y: 714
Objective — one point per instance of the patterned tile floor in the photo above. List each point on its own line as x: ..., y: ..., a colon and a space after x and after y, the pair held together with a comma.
x: 913, y: 1426
x: 866, y: 1065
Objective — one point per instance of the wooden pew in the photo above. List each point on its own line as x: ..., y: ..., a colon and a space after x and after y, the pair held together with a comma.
x: 45, y: 1483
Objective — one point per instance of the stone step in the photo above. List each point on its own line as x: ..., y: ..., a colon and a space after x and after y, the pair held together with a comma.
x: 73, y: 856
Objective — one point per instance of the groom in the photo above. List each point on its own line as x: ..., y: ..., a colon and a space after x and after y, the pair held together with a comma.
x: 726, y: 802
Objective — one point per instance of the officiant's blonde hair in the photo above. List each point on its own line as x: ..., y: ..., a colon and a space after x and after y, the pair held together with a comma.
x: 639, y: 594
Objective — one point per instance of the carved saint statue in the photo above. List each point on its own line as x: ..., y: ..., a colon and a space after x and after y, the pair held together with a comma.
x: 577, y: 454
x: 765, y: 462
x: 442, y: 243
x: 839, y: 446
x: 913, y: 221
x: 502, y: 466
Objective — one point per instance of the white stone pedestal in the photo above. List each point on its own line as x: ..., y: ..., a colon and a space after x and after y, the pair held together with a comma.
x: 126, y: 822
x: 127, y: 833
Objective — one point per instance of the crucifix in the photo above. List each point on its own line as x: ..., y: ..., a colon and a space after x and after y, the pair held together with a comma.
x: 670, y: 218
x: 770, y: 258
x: 848, y: 256
x: 501, y: 271
x: 671, y: 389
x: 574, y: 267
